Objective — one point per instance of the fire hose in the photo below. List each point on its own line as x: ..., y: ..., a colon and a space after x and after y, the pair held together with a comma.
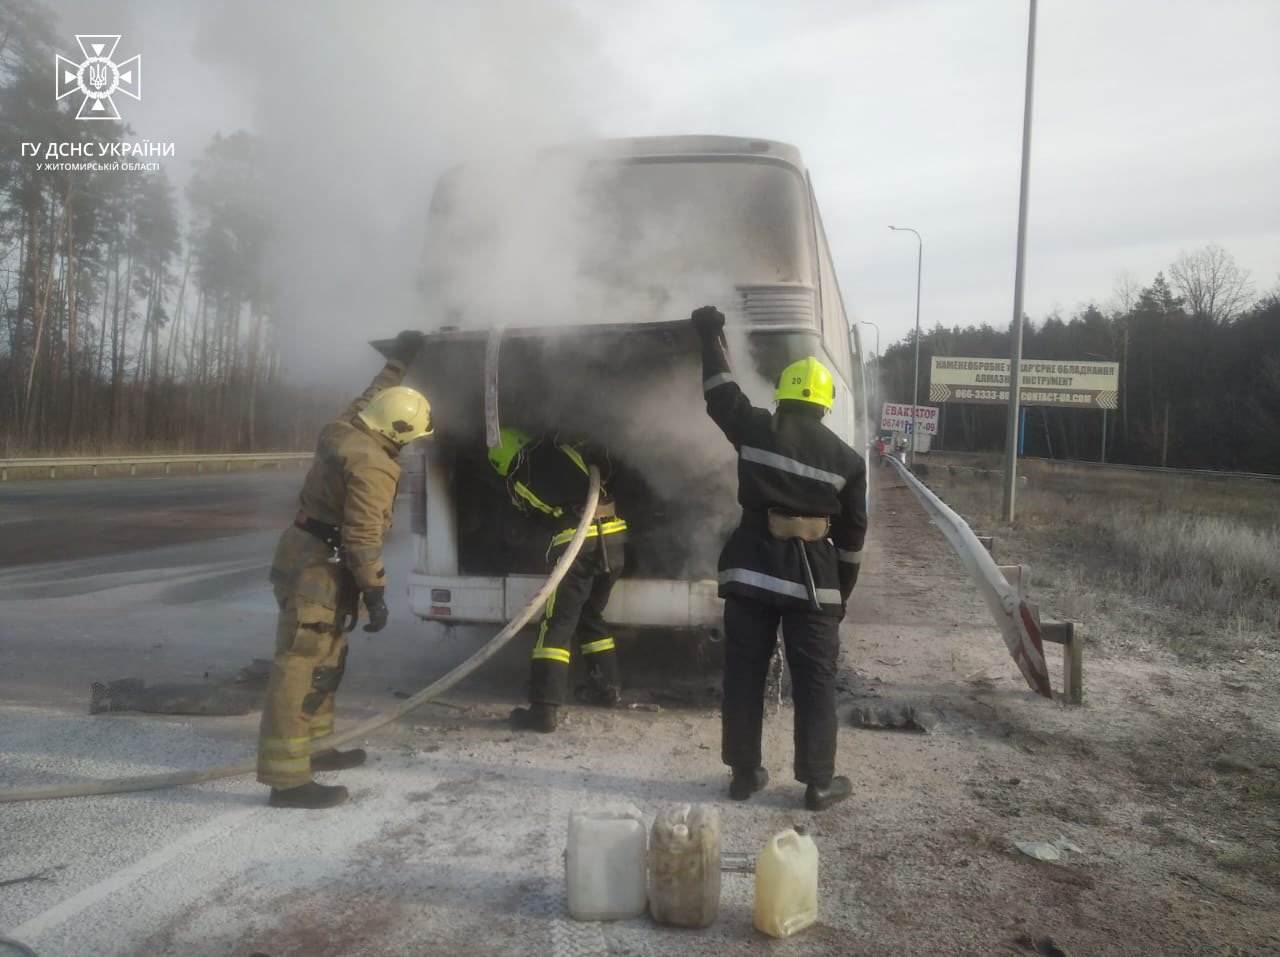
x: 150, y: 782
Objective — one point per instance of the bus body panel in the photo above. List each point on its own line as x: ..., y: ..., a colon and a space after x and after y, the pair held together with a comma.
x: 631, y: 382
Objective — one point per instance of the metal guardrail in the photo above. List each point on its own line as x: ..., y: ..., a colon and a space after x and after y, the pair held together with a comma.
x: 1017, y: 625
x: 93, y: 463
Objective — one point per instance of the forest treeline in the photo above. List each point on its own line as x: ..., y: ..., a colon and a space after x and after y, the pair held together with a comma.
x: 1199, y: 360
x: 133, y: 319
x: 139, y: 318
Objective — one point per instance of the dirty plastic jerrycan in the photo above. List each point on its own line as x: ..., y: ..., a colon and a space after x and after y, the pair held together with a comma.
x: 605, y: 863
x: 787, y: 883
x: 684, y: 866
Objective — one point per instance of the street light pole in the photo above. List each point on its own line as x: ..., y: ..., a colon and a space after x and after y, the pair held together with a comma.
x: 865, y: 322
x: 915, y: 380
x: 876, y: 384
x: 1015, y: 359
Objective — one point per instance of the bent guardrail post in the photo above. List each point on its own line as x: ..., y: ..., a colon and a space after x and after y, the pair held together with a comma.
x: 1062, y: 631
x: 1057, y: 630
x: 1018, y: 577
x: 1017, y: 625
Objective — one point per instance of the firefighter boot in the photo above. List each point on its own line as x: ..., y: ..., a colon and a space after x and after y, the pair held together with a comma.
x: 537, y: 717
x: 310, y: 795
x: 746, y: 782
x: 333, y: 760
x: 819, y: 797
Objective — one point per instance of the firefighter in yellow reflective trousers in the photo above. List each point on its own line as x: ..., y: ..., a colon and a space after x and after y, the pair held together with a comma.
x: 547, y: 479
x: 326, y: 562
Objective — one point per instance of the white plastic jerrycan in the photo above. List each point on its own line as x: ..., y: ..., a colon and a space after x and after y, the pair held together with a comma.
x: 684, y: 866
x: 787, y: 883
x: 605, y: 863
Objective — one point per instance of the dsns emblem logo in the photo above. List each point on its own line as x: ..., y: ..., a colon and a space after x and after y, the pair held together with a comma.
x: 98, y: 77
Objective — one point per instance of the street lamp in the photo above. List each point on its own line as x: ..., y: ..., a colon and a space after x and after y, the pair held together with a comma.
x: 915, y: 381
x: 876, y: 383
x: 867, y: 322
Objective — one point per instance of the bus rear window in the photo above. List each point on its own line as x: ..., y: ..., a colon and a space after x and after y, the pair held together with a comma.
x: 628, y: 241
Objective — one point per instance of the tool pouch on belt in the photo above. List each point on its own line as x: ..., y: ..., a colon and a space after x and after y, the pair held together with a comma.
x: 808, y: 528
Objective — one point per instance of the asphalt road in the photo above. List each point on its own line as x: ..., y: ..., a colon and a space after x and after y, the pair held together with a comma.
x: 432, y: 855
x: 58, y: 520
x: 165, y: 579
x: 453, y: 841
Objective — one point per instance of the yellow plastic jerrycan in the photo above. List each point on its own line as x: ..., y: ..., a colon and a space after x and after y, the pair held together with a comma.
x: 684, y: 866
x: 787, y: 883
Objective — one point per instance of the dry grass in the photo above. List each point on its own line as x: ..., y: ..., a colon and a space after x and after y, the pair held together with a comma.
x: 1194, y: 563
x: 1256, y: 862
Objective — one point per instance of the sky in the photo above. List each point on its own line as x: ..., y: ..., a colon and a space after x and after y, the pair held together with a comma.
x: 1155, y: 131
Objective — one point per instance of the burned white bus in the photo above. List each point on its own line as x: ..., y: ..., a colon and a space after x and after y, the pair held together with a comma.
x: 557, y: 294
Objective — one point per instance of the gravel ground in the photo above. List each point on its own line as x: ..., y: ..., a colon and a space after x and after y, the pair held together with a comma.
x: 452, y: 841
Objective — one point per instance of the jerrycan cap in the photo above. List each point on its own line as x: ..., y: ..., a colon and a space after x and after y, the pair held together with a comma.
x: 800, y: 829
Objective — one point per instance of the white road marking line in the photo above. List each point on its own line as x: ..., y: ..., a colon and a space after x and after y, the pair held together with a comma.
x: 569, y: 938
x: 60, y: 913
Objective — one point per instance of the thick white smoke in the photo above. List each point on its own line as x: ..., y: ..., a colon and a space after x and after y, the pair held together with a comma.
x: 360, y: 109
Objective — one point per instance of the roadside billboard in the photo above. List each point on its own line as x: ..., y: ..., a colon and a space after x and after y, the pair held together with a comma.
x: 897, y: 418
x: 1071, y: 383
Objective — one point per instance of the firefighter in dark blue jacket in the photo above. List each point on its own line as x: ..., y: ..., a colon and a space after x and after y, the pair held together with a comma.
x: 547, y: 479
x: 793, y: 560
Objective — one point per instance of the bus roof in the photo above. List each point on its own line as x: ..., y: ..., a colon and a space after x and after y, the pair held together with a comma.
x: 696, y: 145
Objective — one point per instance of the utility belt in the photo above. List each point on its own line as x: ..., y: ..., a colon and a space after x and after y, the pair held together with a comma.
x: 599, y: 526
x: 786, y: 526
x: 604, y: 521
x: 331, y: 535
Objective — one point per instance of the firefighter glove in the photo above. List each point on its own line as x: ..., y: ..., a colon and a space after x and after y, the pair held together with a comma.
x: 376, y: 605
x: 707, y: 320
x: 407, y: 346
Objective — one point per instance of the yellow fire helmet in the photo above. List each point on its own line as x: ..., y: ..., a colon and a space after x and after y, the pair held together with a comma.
x: 807, y: 381
x: 400, y: 413
x: 510, y: 442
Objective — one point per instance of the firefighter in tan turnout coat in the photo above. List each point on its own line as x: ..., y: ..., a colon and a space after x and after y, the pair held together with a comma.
x: 328, y: 561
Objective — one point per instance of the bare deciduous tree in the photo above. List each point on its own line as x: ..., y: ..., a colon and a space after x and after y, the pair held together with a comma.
x: 1211, y: 285
x: 1124, y: 293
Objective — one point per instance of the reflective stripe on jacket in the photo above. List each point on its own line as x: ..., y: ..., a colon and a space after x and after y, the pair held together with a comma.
x: 790, y: 461
x: 552, y: 479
